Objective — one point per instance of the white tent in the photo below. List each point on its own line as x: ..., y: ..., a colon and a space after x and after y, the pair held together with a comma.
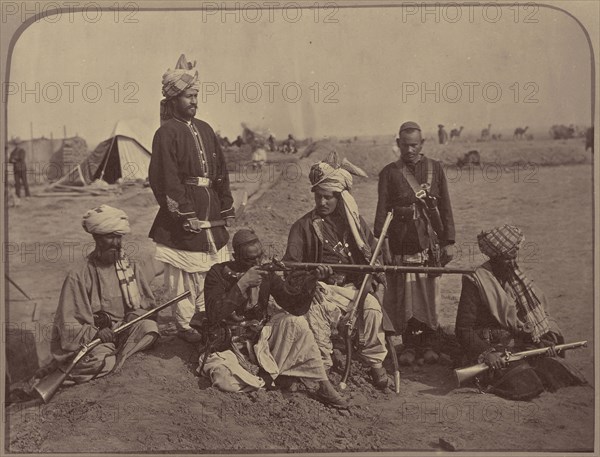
x: 125, y: 155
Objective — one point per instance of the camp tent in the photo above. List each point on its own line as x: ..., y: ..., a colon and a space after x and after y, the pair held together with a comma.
x: 126, y: 154
x: 49, y: 159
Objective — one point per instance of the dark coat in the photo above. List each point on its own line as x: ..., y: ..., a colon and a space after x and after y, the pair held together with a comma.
x: 175, y: 157
x: 408, y: 236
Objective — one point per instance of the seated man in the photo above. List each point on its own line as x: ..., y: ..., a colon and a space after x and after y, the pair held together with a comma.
x: 101, y: 295
x: 334, y: 232
x: 237, y: 292
x: 500, y: 309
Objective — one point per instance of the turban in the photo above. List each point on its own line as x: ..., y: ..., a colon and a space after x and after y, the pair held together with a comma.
x: 184, y: 77
x: 242, y: 237
x: 333, y: 175
x: 104, y: 220
x: 502, y: 241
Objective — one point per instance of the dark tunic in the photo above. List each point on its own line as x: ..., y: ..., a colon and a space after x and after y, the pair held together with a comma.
x: 306, y: 244
x: 407, y: 236
x: 223, y: 297
x: 176, y: 155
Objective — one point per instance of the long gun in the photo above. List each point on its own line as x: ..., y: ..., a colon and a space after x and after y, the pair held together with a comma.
x: 467, y: 373
x: 47, y: 387
x: 278, y: 265
x: 359, y: 300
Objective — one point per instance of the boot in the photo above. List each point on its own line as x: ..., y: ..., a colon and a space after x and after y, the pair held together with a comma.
x: 327, y: 394
x: 379, y: 377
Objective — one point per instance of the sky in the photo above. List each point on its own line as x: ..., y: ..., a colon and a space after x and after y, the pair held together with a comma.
x: 311, y: 72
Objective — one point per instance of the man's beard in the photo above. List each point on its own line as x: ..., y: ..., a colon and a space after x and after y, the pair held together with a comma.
x: 108, y: 257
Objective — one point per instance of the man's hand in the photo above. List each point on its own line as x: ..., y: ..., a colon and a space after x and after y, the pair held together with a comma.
x: 229, y: 221
x: 552, y: 351
x: 446, y: 255
x: 322, y: 272
x: 494, y: 360
x: 253, y: 277
x: 106, y: 335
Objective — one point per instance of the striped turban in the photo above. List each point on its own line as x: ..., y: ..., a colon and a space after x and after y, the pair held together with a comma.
x: 105, y: 220
x: 184, y: 77
x: 175, y: 82
x: 502, y: 241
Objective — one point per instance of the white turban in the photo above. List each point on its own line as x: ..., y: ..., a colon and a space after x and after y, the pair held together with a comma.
x: 104, y: 220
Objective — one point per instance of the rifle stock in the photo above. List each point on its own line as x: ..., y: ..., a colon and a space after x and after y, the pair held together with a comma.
x: 47, y: 386
x: 465, y: 374
x: 359, y: 300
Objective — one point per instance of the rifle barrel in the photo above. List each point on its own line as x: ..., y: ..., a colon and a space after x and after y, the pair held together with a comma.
x: 352, y: 268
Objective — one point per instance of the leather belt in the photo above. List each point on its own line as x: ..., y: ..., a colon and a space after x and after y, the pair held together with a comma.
x: 199, y: 181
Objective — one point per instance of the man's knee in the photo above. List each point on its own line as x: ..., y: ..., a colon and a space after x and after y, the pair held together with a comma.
x: 145, y: 326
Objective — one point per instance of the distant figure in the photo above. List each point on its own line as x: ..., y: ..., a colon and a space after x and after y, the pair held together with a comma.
x: 519, y: 132
x: 455, y: 133
x: 589, y: 139
x: 238, y: 142
x: 485, y: 133
x: 17, y: 158
x: 442, y: 134
x: 471, y: 157
x: 289, y: 145
x: 271, y: 143
x: 259, y: 157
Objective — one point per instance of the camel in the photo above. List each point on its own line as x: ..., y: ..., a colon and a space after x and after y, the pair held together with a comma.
x: 519, y: 132
x: 485, y: 133
x: 455, y: 133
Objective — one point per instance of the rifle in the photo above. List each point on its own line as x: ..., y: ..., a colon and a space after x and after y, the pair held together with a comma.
x: 278, y: 265
x: 47, y: 386
x: 467, y: 373
x: 359, y: 300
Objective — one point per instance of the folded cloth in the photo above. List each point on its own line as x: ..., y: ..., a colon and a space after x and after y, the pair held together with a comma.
x: 226, y: 373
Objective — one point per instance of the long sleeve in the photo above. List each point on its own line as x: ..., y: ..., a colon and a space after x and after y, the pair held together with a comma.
x: 383, y: 205
x: 74, y: 320
x: 223, y: 187
x: 467, y: 320
x: 221, y: 297
x: 165, y: 180
x: 445, y: 208
x: 295, y: 245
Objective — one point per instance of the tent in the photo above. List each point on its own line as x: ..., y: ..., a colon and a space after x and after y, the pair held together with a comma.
x: 126, y: 155
x: 49, y: 159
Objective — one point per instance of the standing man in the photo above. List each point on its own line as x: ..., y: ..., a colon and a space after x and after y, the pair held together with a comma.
x: 442, y: 134
x: 334, y: 232
x: 415, y: 188
x: 17, y: 158
x: 189, y: 178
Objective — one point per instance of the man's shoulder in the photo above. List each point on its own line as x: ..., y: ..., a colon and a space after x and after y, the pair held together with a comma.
x: 388, y: 168
x: 202, y: 124
x: 305, y: 219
